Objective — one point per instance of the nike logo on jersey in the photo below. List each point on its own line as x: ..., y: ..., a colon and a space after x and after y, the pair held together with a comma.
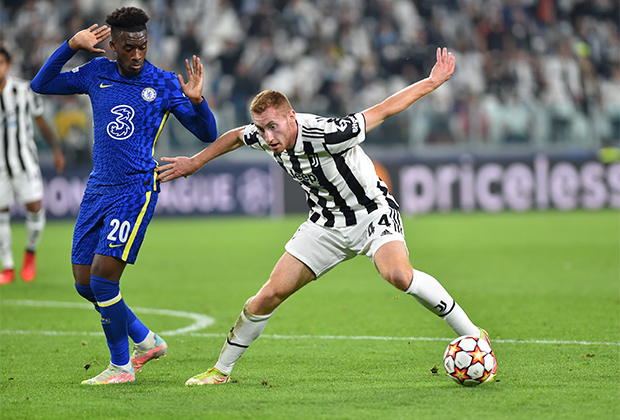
x: 104, y: 86
x: 115, y: 245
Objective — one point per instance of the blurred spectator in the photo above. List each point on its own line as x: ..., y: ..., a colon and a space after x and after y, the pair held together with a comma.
x: 529, y: 73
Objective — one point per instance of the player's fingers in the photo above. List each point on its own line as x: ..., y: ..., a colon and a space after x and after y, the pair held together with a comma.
x: 168, y: 177
x: 164, y: 172
x: 101, y: 29
x: 198, y: 67
x: 181, y: 80
x: 92, y: 27
x: 103, y: 34
x: 188, y: 67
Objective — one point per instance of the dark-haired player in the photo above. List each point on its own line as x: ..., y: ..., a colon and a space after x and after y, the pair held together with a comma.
x: 351, y: 210
x: 131, y: 101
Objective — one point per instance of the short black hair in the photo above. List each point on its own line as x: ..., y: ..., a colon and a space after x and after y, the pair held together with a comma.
x: 127, y: 19
x: 5, y: 53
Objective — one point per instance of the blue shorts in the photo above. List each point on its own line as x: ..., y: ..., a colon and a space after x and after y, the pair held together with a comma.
x: 113, y: 225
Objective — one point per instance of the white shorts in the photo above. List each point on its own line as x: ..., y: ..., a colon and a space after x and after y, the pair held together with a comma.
x: 322, y: 248
x: 25, y: 187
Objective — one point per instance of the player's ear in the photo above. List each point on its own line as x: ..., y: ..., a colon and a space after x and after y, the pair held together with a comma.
x: 113, y: 46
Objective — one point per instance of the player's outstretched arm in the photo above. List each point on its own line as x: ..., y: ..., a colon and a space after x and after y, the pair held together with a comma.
x: 193, y: 88
x: 182, y: 166
x: 86, y: 39
x: 49, y: 79
x: 398, y: 102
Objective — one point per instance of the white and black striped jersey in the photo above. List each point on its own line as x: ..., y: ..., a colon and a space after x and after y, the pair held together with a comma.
x: 339, y: 179
x: 18, y: 106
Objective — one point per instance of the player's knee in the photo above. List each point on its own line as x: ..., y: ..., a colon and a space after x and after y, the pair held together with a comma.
x: 399, y: 277
x: 34, y: 207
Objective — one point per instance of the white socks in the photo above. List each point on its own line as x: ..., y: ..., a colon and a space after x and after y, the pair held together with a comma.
x: 125, y: 368
x: 424, y: 288
x: 431, y: 294
x: 6, y: 253
x: 35, y: 223
x: 247, y: 329
x: 148, y: 342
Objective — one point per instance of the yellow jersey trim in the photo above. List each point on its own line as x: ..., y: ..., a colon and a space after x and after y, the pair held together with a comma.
x: 161, y: 127
x: 136, y: 227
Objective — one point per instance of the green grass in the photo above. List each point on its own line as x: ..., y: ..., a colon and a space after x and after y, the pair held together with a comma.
x: 544, y: 284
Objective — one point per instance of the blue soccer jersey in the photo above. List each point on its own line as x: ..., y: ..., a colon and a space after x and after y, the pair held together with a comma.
x: 129, y: 114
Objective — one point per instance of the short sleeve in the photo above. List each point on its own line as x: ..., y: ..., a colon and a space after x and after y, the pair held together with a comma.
x: 344, y: 133
x: 251, y: 137
x: 35, y: 102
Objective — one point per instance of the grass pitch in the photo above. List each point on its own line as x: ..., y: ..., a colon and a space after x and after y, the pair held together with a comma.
x: 349, y: 346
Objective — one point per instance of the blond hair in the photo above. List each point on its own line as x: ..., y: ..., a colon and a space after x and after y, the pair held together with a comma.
x: 270, y: 99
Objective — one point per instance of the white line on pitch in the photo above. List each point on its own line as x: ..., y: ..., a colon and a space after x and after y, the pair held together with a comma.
x: 203, y: 321
x: 381, y: 338
x: 200, y: 321
x: 322, y: 337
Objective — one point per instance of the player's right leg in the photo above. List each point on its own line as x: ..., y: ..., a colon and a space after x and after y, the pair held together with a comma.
x: 147, y: 344
x: 113, y: 319
x: 288, y: 276
x: 7, y: 275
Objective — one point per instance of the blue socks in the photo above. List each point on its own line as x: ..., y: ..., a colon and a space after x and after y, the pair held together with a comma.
x: 135, y: 328
x: 113, y: 317
x: 87, y: 293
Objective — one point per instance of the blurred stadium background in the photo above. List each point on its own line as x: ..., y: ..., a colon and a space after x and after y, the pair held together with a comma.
x: 530, y: 119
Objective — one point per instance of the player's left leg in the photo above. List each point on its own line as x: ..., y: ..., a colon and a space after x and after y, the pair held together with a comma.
x: 35, y: 224
x: 392, y: 262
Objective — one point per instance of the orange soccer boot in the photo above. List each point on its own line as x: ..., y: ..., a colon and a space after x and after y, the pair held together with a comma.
x: 7, y: 276
x: 29, y: 268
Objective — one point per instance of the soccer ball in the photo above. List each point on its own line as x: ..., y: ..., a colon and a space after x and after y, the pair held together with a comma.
x: 470, y: 361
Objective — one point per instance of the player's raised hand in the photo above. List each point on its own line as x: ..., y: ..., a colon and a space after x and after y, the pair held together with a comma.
x: 444, y: 68
x: 179, y: 167
x: 86, y: 39
x: 193, y: 87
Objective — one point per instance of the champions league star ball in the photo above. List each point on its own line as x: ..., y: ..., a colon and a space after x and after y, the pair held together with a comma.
x: 470, y: 361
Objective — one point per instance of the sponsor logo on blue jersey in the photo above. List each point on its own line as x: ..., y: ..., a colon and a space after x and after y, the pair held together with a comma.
x: 122, y: 127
